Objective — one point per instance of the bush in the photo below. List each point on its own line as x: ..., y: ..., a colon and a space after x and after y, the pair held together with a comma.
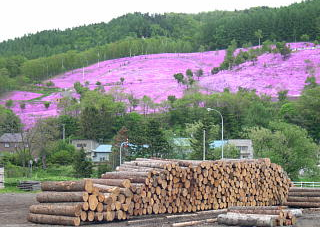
x: 22, y: 105
x: 50, y: 84
x: 98, y: 83
x: 9, y: 103
x: 82, y: 166
x: 47, y: 104
x: 62, y: 157
x: 102, y: 168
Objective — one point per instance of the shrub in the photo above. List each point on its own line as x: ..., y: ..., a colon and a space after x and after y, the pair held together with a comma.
x: 98, y: 83
x: 22, y: 105
x: 47, y: 104
x: 50, y: 84
x: 9, y: 103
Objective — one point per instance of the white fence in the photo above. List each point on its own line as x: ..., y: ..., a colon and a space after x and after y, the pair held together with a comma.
x: 1, y: 177
x: 306, y: 184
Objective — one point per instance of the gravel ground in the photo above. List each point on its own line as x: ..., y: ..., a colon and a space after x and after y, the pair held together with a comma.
x: 14, y: 211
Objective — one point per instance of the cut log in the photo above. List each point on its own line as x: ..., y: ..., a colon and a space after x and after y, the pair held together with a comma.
x: 304, y: 194
x: 98, y: 216
x: 83, y: 216
x: 109, y: 215
x: 302, y: 204
x: 57, y: 197
x: 53, y: 219
x: 120, y: 182
x: 57, y: 209
x: 72, y: 186
x: 93, y: 202
x: 123, y: 175
x: 298, y: 189
x: 303, y: 199
x: 90, y: 216
x: 188, y: 223
x: 107, y: 189
x: 247, y: 219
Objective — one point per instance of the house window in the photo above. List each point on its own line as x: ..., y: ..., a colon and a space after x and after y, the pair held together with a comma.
x: 102, y: 159
x: 81, y: 145
x: 6, y: 145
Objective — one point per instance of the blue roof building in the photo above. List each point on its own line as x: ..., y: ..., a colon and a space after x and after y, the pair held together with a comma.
x: 101, y: 153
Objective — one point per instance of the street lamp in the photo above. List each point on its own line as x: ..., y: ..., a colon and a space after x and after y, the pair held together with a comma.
x: 123, y: 143
x: 209, y: 109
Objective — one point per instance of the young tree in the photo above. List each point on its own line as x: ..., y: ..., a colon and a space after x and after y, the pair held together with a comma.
x: 45, y: 132
x: 82, y: 166
x: 258, y: 34
x: 158, y: 145
x: 179, y: 77
x: 287, y: 145
x: 199, y: 73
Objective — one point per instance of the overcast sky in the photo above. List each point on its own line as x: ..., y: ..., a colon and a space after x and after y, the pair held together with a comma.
x: 19, y: 17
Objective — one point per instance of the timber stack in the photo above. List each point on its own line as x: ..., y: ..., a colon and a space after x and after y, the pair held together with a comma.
x: 303, y: 197
x: 88, y: 200
x: 157, y: 186
x: 258, y: 216
x: 175, y: 186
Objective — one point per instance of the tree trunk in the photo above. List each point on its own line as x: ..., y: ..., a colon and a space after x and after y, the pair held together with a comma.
x: 58, y: 197
x: 53, y: 219
x: 57, y: 209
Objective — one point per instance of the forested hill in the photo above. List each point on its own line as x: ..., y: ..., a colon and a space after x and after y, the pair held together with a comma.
x: 208, y: 31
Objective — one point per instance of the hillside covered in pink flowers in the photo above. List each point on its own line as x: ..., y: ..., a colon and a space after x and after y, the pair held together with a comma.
x: 152, y: 75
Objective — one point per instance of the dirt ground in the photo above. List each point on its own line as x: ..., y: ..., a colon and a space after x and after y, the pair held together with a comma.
x: 14, y: 210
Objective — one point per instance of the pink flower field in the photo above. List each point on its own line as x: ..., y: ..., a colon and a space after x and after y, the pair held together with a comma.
x: 152, y: 75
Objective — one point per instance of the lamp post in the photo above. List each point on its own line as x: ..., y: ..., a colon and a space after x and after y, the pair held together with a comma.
x: 209, y: 109
x: 123, y: 143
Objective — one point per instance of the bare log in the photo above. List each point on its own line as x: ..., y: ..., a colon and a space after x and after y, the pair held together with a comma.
x: 53, y: 219
x: 57, y: 197
x: 247, y: 219
x: 119, y: 182
x: 57, y: 209
x: 71, y: 186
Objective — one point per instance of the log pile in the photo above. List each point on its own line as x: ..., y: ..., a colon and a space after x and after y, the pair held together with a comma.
x: 258, y: 216
x: 175, y: 186
x: 89, y: 200
x: 157, y: 186
x: 303, y: 197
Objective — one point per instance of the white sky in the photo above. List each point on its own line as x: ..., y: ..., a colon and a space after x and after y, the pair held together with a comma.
x: 19, y: 17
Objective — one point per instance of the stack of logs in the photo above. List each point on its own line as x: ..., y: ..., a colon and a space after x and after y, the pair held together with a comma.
x: 174, y: 186
x: 258, y: 216
x: 156, y: 186
x: 89, y: 200
x: 303, y: 197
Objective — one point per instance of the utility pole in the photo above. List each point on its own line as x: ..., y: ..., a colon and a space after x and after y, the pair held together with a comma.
x: 204, y: 145
x: 63, y: 132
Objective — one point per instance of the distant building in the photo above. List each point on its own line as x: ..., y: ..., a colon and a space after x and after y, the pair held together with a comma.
x: 87, y: 145
x: 244, y: 146
x: 101, y: 153
x: 10, y: 142
x: 182, y: 145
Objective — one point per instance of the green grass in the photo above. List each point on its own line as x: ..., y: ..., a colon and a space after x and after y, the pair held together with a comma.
x: 14, y: 174
x: 11, y: 189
